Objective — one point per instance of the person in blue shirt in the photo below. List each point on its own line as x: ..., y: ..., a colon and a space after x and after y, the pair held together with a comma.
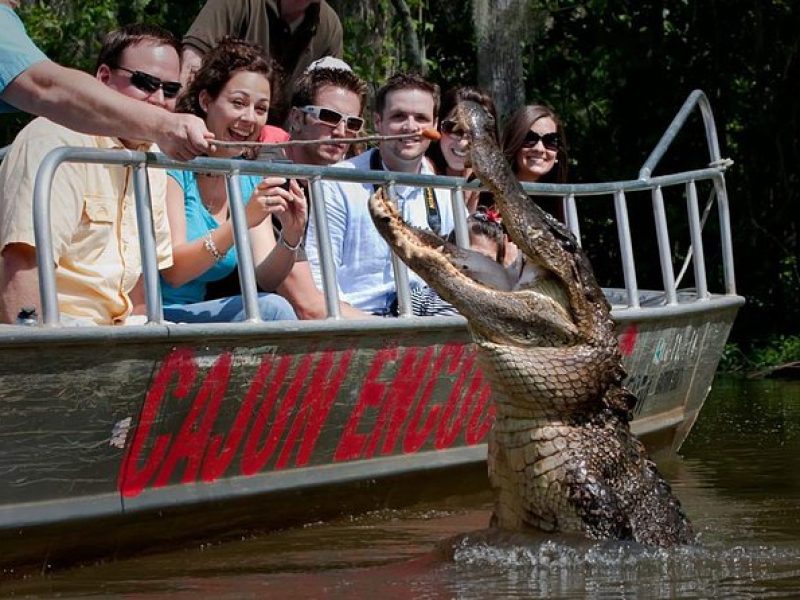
x: 32, y: 83
x: 231, y: 91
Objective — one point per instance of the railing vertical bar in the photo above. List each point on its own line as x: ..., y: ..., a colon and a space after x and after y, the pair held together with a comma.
x: 329, y: 287
x: 696, y: 235
x: 244, y: 254
x: 571, y: 211
x: 725, y: 235
x: 459, y: 217
x: 664, y: 253
x: 400, y: 269
x: 43, y: 237
x: 626, y: 249
x: 147, y: 243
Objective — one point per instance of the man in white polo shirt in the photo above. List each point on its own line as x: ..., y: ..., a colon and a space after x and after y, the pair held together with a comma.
x: 407, y: 103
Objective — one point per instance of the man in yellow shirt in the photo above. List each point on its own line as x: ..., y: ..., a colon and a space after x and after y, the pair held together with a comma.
x: 94, y: 231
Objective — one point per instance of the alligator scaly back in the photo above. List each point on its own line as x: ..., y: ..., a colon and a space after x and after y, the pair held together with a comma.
x: 561, y: 454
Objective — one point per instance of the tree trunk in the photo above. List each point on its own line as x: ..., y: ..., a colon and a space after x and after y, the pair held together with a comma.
x: 500, y: 29
x: 413, y: 50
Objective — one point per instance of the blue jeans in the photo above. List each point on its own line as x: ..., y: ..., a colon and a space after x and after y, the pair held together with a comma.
x: 272, y: 307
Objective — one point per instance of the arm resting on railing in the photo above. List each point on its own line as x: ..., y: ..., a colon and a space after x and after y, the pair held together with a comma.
x: 307, y: 299
x: 19, y: 287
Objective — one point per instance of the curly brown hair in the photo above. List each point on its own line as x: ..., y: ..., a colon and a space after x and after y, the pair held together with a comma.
x: 227, y: 58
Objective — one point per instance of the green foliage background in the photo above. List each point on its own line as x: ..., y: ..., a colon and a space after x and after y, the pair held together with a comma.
x: 616, y: 71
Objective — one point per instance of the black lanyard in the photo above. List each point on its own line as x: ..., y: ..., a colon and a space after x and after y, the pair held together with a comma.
x: 431, y: 203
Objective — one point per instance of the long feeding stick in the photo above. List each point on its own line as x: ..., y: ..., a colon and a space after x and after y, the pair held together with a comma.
x: 430, y: 134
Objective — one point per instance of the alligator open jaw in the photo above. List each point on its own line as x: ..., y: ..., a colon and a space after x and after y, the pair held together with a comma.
x: 561, y: 454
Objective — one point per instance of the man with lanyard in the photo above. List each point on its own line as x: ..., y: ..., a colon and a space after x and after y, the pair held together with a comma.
x: 294, y: 33
x: 407, y: 103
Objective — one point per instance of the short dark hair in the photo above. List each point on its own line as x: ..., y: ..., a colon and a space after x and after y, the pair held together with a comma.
x: 310, y: 83
x: 517, y: 128
x: 220, y: 64
x: 449, y: 101
x: 115, y: 42
x: 406, y: 81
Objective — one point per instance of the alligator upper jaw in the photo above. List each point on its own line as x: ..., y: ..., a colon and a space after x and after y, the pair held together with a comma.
x: 522, y: 318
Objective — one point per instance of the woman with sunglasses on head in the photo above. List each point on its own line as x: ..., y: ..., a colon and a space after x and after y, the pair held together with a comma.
x: 533, y: 143
x: 231, y: 92
x: 448, y: 156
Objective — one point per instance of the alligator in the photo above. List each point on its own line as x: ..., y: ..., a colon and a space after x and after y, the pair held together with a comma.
x: 561, y: 454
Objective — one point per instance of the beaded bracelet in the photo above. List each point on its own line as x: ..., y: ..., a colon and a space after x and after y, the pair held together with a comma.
x: 211, y: 248
x: 282, y: 241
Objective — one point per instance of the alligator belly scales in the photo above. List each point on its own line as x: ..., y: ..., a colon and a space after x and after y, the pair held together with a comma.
x: 561, y: 454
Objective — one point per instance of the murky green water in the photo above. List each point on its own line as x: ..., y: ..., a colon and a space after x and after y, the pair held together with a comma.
x: 738, y: 477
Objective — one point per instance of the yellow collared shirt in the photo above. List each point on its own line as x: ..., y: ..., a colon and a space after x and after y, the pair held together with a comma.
x: 93, y: 221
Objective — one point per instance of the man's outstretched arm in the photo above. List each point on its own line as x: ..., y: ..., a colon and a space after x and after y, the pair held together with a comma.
x: 79, y: 101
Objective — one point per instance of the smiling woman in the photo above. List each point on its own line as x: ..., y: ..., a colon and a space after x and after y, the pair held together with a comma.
x: 448, y: 156
x: 534, y: 144
x: 231, y: 91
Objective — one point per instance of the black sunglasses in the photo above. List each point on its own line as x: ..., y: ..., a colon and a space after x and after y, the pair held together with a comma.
x: 149, y: 83
x: 333, y: 118
x: 452, y: 128
x: 551, y: 141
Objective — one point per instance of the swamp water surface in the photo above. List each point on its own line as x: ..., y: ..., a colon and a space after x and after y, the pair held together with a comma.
x: 738, y: 476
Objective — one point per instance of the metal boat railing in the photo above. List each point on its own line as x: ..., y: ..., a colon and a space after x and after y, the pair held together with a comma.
x: 569, y: 193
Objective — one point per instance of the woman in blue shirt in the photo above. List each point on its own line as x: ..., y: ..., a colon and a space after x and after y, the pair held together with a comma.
x: 231, y: 91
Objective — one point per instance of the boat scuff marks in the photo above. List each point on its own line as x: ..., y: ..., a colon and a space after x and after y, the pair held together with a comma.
x: 119, y: 434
